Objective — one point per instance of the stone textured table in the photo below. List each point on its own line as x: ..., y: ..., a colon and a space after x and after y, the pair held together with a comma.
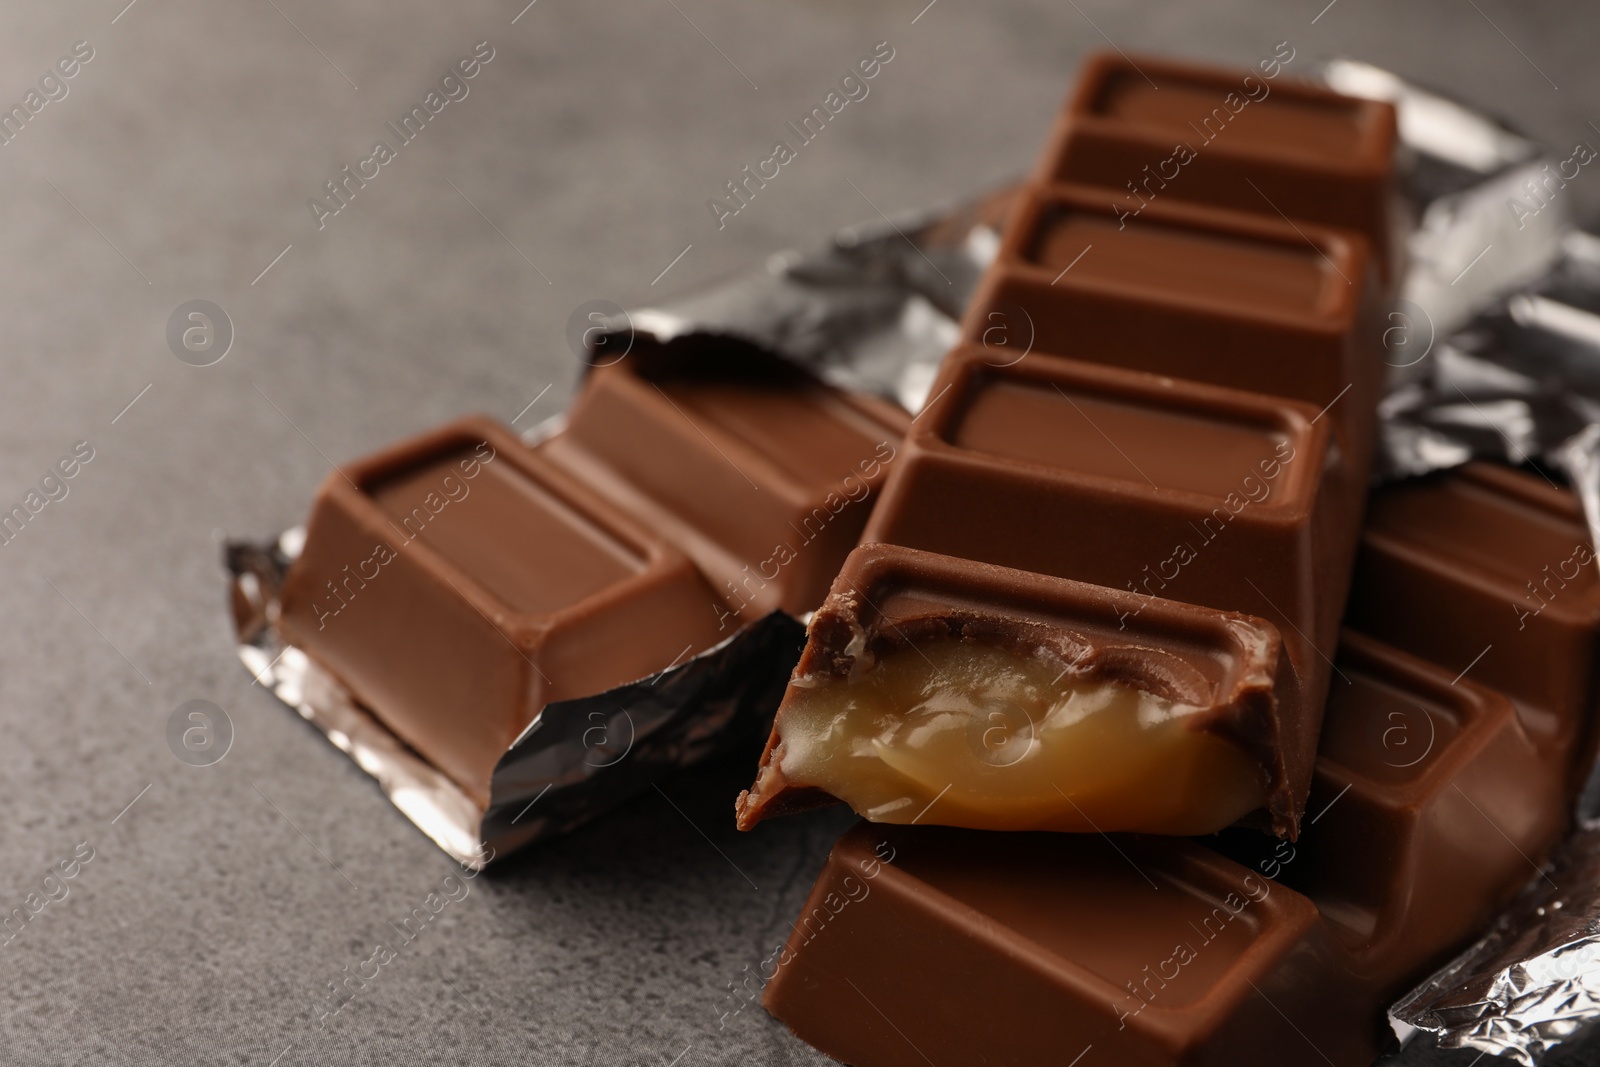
x: 177, y: 164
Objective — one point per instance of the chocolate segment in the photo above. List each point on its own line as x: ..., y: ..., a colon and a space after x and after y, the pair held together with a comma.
x: 457, y: 582
x: 1227, y: 298
x: 1246, y: 140
x: 1433, y: 806
x: 932, y: 945
x: 1179, y: 401
x: 940, y: 690
x: 754, y: 469
x: 1489, y: 572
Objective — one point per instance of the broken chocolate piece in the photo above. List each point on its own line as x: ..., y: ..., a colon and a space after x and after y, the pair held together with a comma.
x: 927, y: 945
x: 940, y: 690
x: 1431, y: 809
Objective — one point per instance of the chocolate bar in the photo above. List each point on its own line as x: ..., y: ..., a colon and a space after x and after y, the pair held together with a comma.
x: 457, y: 582
x: 754, y: 469
x: 1152, y: 130
x: 943, y: 690
x: 1433, y: 805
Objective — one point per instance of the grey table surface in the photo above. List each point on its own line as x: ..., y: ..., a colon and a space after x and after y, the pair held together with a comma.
x: 222, y: 900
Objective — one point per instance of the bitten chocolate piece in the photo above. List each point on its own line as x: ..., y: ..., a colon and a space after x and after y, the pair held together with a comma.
x: 754, y: 469
x: 939, y: 690
x: 1151, y: 130
x: 457, y: 582
x: 1162, y: 489
x: 927, y: 945
x: 1489, y: 572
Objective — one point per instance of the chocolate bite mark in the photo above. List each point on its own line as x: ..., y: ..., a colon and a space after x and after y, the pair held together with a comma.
x: 961, y: 732
x: 942, y: 691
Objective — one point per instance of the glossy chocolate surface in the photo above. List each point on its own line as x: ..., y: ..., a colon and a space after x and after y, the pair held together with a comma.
x: 929, y: 944
x: 1221, y: 269
x: 510, y: 513
x: 1489, y: 572
x: 759, y: 472
x: 456, y: 583
x: 1248, y: 301
x: 1231, y: 138
x: 1434, y: 807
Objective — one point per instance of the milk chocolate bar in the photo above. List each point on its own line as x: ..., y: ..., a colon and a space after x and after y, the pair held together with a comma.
x: 1177, y: 402
x: 936, y: 689
x: 1152, y: 130
x: 754, y: 469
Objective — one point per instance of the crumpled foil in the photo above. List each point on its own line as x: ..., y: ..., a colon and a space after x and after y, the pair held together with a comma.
x: 576, y: 760
x: 1533, y: 982
x: 1468, y: 248
x: 873, y: 311
x: 1494, y: 348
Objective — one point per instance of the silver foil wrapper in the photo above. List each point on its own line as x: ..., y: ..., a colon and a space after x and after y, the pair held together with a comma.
x: 1533, y: 982
x: 873, y: 311
x: 575, y: 761
x: 1468, y: 248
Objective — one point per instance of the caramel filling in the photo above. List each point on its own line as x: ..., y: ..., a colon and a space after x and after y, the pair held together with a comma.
x: 963, y: 733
